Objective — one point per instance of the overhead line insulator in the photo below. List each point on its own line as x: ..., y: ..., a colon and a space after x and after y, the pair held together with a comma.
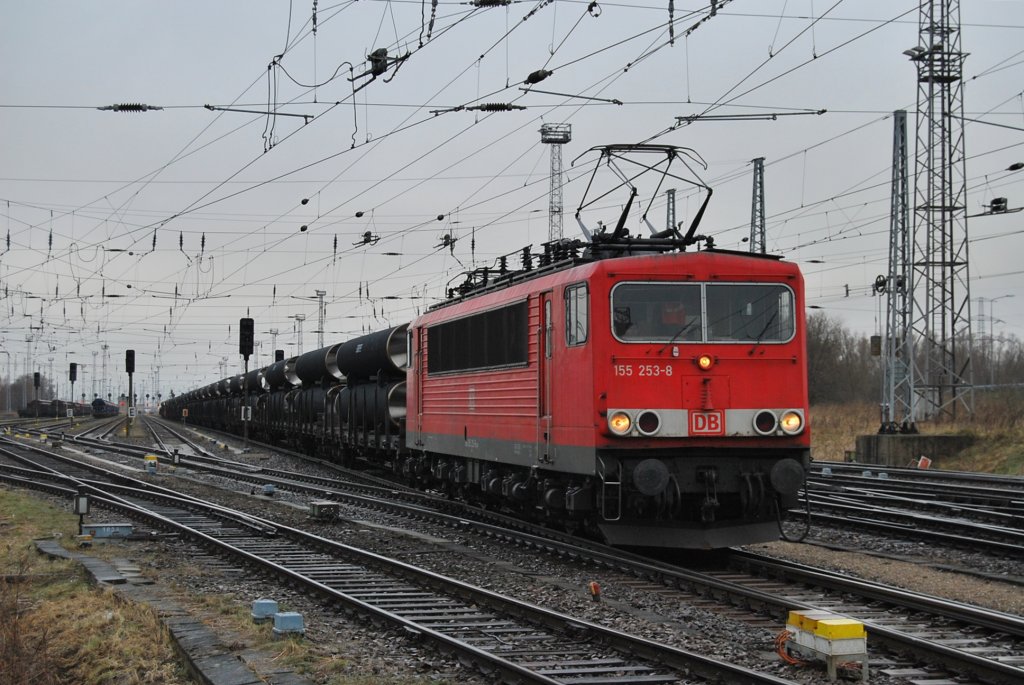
x: 129, y: 107
x: 537, y: 76
x: 495, y: 107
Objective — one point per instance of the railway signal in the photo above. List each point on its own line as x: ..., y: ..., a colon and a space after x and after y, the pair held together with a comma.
x: 246, y: 337
x: 35, y: 382
x: 129, y: 366
x: 72, y: 376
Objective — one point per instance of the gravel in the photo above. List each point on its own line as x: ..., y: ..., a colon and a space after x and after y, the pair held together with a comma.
x: 628, y: 604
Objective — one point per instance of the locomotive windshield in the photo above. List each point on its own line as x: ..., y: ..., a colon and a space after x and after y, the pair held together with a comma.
x: 709, y: 312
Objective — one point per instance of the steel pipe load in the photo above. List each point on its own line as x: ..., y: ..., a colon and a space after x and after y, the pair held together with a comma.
x: 274, y: 375
x: 235, y: 385
x: 369, y: 405
x: 313, y: 367
x: 305, y: 405
x: 383, y: 352
x: 289, y: 371
x: 251, y: 381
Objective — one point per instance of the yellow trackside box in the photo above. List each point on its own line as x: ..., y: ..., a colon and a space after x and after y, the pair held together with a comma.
x: 841, y: 629
x: 822, y: 634
x: 826, y: 624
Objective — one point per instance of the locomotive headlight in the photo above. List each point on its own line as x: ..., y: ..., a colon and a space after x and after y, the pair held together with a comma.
x: 705, y: 362
x: 765, y: 422
x: 620, y: 423
x: 792, y: 422
x: 648, y: 422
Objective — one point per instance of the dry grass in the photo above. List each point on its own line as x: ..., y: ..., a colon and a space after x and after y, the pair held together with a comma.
x: 997, y: 427
x: 55, y: 629
x: 835, y: 427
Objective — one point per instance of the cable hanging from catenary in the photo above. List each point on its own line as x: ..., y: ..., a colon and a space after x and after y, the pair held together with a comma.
x: 397, y: 59
x: 314, y: 49
x: 539, y: 75
x: 671, y: 23
x: 481, y: 3
x: 430, y: 24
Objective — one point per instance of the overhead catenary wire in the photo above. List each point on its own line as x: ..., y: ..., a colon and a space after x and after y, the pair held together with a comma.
x: 145, y: 234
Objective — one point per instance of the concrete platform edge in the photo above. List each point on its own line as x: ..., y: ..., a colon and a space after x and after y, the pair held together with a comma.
x: 206, y: 659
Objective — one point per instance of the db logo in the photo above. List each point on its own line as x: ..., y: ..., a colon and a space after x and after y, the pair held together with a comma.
x: 707, y: 423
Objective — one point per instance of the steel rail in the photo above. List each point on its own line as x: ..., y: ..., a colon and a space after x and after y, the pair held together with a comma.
x: 970, y: 614
x: 512, y: 672
x: 852, y: 515
x: 703, y: 584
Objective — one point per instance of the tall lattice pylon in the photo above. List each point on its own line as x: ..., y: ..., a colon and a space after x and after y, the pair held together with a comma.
x: 555, y: 135
x: 941, y: 285
x: 757, y: 237
x: 322, y: 318
x: 898, y: 379
x: 299, y: 318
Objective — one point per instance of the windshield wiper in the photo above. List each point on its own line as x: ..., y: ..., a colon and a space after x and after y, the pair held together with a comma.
x: 678, y: 335
x: 764, y: 330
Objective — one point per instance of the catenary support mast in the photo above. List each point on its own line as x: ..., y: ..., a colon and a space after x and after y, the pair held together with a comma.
x: 757, y: 238
x: 941, y: 318
x: 555, y: 135
x: 898, y: 351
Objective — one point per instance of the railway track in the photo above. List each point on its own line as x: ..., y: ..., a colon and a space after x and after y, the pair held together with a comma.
x: 1009, y: 515
x: 924, y: 481
x: 907, y: 629
x: 501, y: 637
x: 829, y: 508
x: 841, y: 511
x: 981, y: 496
x: 965, y: 511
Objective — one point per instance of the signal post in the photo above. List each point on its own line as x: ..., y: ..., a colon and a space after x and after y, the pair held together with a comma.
x: 72, y: 376
x: 246, y: 335
x: 129, y: 366
x: 35, y: 383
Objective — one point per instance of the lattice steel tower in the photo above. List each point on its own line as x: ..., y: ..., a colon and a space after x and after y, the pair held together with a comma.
x: 323, y: 315
x: 941, y: 318
x: 898, y: 380
x: 555, y: 135
x: 299, y: 318
x: 757, y: 238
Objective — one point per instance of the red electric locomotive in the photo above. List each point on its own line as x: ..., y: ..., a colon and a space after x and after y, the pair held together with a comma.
x: 659, y: 398
x: 620, y: 386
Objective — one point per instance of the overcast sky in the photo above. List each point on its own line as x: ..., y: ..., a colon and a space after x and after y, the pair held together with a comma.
x: 158, y: 230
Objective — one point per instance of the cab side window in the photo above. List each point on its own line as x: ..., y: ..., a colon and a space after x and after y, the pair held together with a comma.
x: 577, y: 314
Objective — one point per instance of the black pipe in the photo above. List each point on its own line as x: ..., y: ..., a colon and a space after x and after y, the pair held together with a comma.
x: 313, y: 367
x: 384, y: 352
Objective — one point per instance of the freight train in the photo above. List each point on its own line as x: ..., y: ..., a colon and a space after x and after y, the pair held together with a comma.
x: 621, y: 387
x: 53, y: 409
x: 101, y: 409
